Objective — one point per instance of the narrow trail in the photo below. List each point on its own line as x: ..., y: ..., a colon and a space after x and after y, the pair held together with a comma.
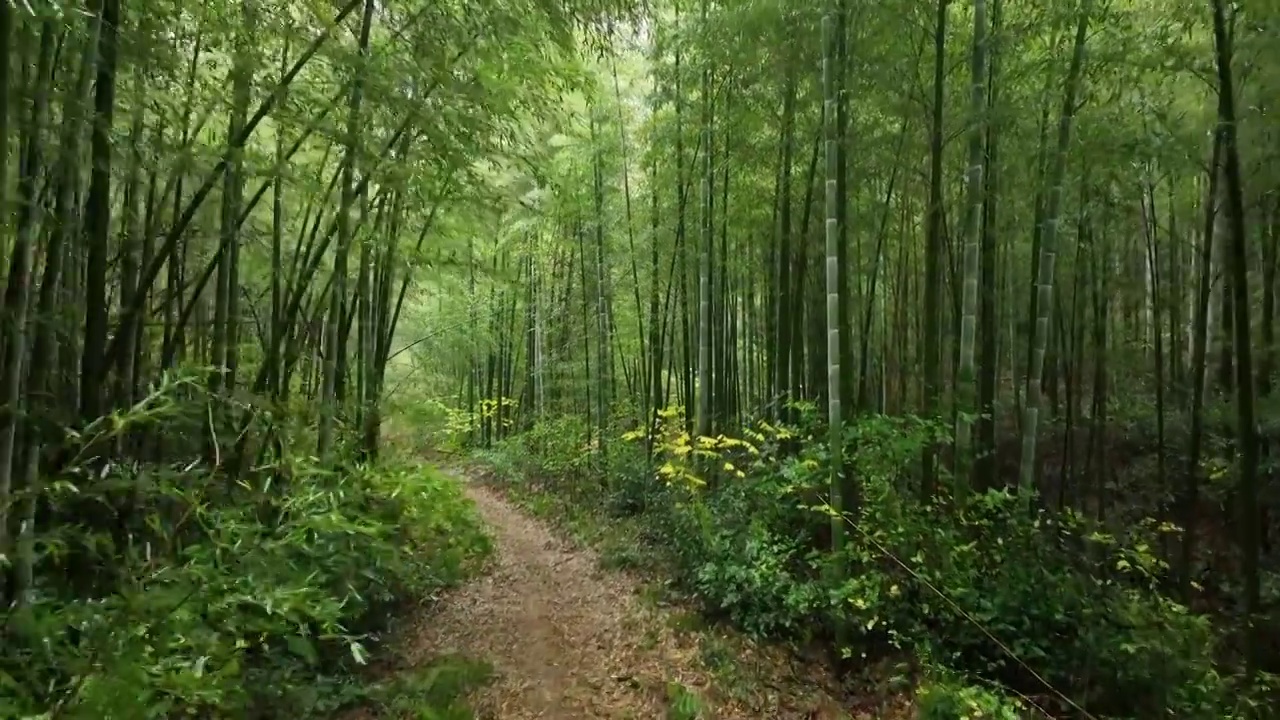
x: 569, y: 640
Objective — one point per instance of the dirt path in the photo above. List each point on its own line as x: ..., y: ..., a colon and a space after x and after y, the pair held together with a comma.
x: 570, y: 640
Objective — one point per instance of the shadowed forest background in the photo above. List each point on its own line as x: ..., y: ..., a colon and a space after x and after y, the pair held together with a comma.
x: 936, y: 340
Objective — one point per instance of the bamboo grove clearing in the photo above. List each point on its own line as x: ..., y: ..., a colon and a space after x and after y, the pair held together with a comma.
x: 933, y: 342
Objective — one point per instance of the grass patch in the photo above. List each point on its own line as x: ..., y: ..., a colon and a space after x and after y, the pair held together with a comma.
x: 436, y: 691
x: 716, y: 655
x: 686, y: 621
x: 684, y: 704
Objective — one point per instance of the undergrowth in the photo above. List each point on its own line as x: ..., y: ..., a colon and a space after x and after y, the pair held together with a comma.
x: 1004, y: 610
x: 172, y: 589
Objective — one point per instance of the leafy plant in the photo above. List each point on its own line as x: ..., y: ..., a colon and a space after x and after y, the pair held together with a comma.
x: 947, y: 698
x: 223, y: 600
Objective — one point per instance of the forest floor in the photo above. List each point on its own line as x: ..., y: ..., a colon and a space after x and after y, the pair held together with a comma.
x: 569, y: 638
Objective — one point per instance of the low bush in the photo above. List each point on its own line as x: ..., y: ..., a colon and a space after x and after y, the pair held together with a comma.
x: 948, y: 697
x: 226, y: 598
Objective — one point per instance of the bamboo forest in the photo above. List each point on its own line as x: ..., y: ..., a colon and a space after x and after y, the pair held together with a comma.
x: 689, y: 359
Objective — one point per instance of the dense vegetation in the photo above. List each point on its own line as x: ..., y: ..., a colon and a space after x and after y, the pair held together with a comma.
x: 938, y: 335
x: 216, y: 221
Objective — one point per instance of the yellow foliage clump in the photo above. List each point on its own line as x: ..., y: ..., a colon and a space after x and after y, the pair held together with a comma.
x: 683, y: 454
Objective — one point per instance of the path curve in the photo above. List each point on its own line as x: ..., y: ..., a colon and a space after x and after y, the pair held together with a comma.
x: 570, y: 640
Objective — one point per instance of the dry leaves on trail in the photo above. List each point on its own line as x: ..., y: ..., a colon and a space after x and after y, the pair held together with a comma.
x: 570, y: 640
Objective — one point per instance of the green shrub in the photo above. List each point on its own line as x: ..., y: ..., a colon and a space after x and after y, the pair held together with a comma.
x: 556, y: 448
x: 264, y: 596
x: 629, y: 479
x: 949, y: 698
